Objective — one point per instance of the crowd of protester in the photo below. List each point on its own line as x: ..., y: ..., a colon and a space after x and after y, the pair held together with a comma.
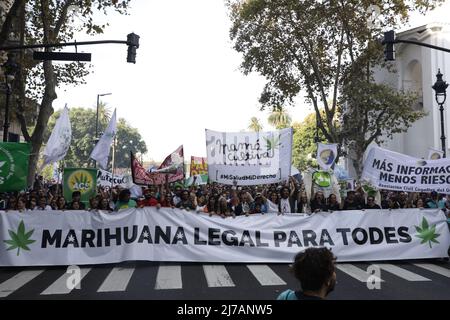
x: 221, y: 200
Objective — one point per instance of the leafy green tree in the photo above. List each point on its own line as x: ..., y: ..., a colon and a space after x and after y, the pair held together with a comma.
x: 255, y: 125
x: 279, y: 118
x: 83, y: 131
x: 322, y: 49
x: 377, y: 112
x: 46, y: 22
x: 304, y: 145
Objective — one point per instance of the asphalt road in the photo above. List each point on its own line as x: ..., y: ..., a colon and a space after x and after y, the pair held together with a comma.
x: 426, y: 279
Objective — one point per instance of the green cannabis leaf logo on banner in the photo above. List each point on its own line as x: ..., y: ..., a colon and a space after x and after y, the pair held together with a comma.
x: 426, y: 233
x: 273, y: 143
x: 20, y: 240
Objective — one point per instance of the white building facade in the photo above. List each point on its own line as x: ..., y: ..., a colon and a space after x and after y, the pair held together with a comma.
x: 416, y: 68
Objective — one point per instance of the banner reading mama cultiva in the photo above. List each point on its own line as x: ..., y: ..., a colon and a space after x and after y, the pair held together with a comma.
x: 80, y: 237
x: 249, y: 158
x: 386, y: 169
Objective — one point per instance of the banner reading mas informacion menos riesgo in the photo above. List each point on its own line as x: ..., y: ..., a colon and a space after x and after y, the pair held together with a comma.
x: 249, y: 158
x: 81, y: 237
x: 390, y: 170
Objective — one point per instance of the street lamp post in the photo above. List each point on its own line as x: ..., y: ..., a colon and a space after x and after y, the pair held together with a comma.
x: 10, y: 68
x: 440, y: 88
x: 96, y: 119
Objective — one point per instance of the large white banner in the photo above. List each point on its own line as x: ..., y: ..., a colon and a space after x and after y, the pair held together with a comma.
x: 249, y: 158
x: 81, y: 237
x: 390, y: 170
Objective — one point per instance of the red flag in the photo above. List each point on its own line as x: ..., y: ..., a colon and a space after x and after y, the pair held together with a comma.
x: 173, y: 163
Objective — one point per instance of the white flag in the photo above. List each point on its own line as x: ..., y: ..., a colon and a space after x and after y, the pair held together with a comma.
x: 101, y: 150
x: 326, y: 155
x: 434, y: 154
x: 59, y: 142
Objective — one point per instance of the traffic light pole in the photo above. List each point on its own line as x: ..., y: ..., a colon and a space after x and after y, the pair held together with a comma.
x: 389, y: 40
x: 132, y: 42
x: 422, y: 44
x: 66, y: 44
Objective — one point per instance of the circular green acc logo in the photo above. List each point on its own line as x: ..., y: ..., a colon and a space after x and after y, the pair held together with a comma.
x: 6, y: 165
x: 81, y: 180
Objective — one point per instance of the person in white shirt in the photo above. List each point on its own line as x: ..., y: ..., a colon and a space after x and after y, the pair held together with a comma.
x: 42, y: 204
x: 287, y: 202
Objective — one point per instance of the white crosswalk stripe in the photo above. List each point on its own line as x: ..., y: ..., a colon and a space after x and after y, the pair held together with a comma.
x: 64, y: 284
x: 117, y: 280
x: 217, y: 276
x: 402, y: 273
x: 17, y: 281
x: 265, y: 275
x: 357, y: 273
x: 434, y: 268
x: 169, y: 277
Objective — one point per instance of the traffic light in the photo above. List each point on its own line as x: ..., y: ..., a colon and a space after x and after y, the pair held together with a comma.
x: 133, y: 44
x: 389, y: 40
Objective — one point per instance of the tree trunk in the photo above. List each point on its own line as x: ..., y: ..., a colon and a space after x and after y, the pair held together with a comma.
x: 46, y: 110
x: 357, y: 162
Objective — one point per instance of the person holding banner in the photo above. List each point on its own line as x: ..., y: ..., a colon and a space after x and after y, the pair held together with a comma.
x: 350, y: 202
x: 235, y: 205
x: 332, y: 203
x: 42, y: 204
x: 186, y: 202
x: 303, y: 203
x: 104, y: 205
x: 61, y: 203
x: 76, y: 197
x: 287, y: 201
x: 371, y: 204
x: 21, y: 205
x: 125, y: 201
x: 149, y: 199
x: 318, y: 203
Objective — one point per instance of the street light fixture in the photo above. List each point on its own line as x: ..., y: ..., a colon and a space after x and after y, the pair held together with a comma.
x: 10, y: 68
x: 440, y: 87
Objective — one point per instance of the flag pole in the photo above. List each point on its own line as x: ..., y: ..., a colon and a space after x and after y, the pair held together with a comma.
x: 57, y: 181
x: 113, y: 161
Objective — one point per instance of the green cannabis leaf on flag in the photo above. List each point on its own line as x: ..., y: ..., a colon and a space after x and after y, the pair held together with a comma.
x: 20, y: 240
x: 272, y: 143
x: 426, y: 233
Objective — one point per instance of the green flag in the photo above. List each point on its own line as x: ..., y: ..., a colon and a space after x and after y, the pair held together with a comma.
x: 322, y: 179
x: 13, y: 166
x: 80, y: 179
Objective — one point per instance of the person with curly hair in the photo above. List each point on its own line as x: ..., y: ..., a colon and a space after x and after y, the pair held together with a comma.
x: 314, y: 268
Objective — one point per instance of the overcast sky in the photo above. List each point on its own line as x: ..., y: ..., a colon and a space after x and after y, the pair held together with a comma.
x: 186, y: 77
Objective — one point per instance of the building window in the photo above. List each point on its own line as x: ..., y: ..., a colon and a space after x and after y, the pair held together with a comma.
x: 412, y: 81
